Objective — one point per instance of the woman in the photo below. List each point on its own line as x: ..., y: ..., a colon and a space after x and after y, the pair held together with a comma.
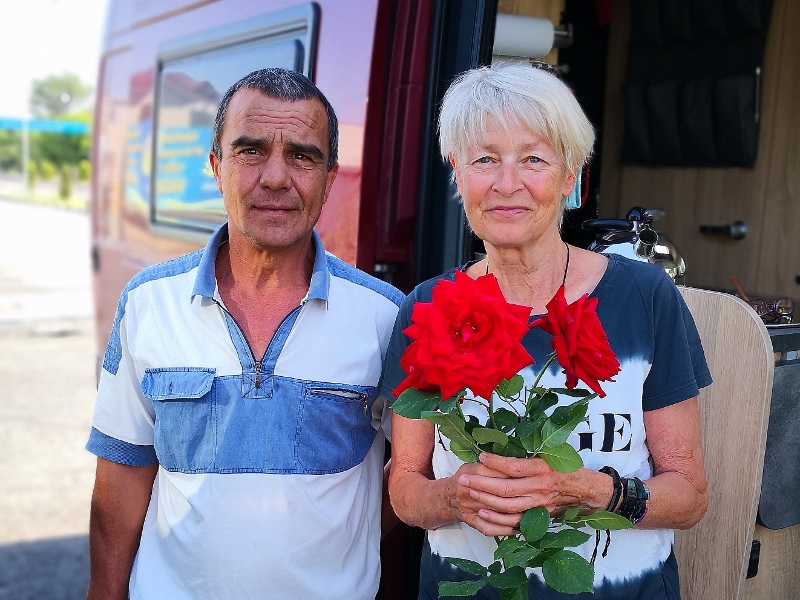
x: 517, y: 139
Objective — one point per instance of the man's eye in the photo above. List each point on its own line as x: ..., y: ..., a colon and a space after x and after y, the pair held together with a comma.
x: 300, y: 156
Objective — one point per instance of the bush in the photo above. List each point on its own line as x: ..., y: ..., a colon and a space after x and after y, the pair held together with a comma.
x: 47, y: 170
x: 84, y: 170
x: 65, y: 182
x: 33, y: 174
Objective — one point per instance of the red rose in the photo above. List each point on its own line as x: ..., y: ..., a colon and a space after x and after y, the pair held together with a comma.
x: 579, y: 340
x: 468, y: 336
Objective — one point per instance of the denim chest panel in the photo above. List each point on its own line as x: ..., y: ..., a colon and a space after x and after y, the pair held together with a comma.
x: 257, y: 422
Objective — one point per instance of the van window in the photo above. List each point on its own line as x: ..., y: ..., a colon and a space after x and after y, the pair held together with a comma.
x: 193, y: 75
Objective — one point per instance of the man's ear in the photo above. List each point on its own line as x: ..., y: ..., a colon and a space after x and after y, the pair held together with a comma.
x: 215, y: 164
x: 331, y: 177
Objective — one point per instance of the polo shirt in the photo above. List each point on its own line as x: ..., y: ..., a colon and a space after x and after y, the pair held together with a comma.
x: 270, y: 471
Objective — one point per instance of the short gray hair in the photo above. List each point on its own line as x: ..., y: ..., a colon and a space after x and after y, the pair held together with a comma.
x: 514, y: 94
x: 280, y: 84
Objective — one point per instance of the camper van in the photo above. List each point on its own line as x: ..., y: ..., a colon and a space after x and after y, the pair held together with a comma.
x: 694, y: 103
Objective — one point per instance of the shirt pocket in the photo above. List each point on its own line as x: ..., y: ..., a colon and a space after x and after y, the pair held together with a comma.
x: 335, y: 429
x: 184, y: 435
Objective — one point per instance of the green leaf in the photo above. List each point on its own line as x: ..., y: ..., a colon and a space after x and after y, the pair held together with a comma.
x: 568, y: 573
x: 533, y: 441
x: 509, y: 578
x: 570, y: 514
x: 509, y: 389
x: 468, y: 566
x: 562, y: 423
x: 563, y: 458
x: 485, y: 435
x: 412, y: 403
x: 602, y: 519
x: 534, y: 523
x: 516, y: 593
x: 539, y: 559
x: 575, y: 411
x: 452, y: 426
x: 520, y: 557
x: 449, y: 404
x: 461, y: 588
x: 468, y: 455
x: 507, y: 546
x: 576, y: 393
x: 505, y: 418
x: 566, y: 538
x: 524, y: 428
x: 495, y: 567
x: 515, y: 449
x: 543, y: 402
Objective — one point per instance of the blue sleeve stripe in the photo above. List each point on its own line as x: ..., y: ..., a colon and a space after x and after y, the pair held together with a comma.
x: 120, y: 452
x: 339, y: 268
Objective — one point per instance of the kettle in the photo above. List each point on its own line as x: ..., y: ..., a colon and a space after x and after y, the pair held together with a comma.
x: 633, y: 237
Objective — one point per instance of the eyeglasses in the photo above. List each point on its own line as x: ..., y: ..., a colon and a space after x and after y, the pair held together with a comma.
x: 778, y: 312
x: 544, y: 66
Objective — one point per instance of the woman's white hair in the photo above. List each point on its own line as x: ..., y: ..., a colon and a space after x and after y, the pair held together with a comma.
x: 512, y: 95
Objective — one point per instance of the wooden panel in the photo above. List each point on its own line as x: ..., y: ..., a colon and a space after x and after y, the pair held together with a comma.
x: 778, y: 568
x: 546, y: 9
x: 734, y: 411
x: 766, y: 197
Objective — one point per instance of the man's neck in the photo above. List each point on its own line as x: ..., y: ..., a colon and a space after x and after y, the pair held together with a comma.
x: 260, y: 288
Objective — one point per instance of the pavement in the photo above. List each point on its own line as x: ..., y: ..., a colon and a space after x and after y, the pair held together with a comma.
x: 47, y: 384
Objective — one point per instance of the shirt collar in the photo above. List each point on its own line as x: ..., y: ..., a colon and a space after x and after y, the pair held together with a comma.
x: 206, y: 282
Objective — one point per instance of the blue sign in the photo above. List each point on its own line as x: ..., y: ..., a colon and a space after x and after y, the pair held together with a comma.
x: 71, y: 127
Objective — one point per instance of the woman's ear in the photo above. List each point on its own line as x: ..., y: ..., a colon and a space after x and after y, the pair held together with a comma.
x: 569, y: 184
x: 456, y: 172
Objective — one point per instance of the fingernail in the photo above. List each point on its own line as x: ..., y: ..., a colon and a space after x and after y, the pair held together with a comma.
x: 463, y: 480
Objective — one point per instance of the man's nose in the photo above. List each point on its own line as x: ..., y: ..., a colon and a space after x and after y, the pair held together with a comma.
x: 275, y: 172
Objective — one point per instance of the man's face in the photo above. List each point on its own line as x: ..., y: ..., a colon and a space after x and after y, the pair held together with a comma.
x: 273, y: 172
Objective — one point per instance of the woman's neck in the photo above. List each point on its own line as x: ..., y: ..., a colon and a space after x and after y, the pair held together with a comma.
x: 529, y: 277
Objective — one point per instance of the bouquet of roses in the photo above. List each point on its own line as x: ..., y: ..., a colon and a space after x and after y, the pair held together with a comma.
x: 468, y: 338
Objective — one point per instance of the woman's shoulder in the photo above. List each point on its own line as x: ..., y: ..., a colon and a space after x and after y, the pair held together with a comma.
x: 422, y: 292
x: 625, y: 273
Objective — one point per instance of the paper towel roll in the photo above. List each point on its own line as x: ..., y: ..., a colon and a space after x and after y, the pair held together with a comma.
x: 526, y: 37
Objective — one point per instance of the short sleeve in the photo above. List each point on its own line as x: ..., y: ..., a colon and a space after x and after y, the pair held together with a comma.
x: 679, y: 368
x: 123, y: 420
x: 393, y: 373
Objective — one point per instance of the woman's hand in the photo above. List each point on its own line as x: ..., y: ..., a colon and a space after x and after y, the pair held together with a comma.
x: 527, y: 482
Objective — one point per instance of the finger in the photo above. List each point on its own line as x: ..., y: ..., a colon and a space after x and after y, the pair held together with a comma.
x: 480, y: 469
x: 507, y: 505
x: 506, y: 520
x: 514, y: 467
x: 505, y: 488
x: 490, y: 529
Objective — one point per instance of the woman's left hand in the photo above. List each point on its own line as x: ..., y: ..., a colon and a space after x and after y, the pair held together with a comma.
x: 531, y: 482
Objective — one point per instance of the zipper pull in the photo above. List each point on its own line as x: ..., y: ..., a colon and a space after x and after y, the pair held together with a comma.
x: 258, y: 374
x: 366, y: 405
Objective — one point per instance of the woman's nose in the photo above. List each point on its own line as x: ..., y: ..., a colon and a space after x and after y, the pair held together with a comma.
x: 508, y: 180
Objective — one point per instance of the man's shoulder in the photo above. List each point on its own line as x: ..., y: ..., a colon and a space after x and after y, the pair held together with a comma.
x: 171, y: 268
x: 339, y: 268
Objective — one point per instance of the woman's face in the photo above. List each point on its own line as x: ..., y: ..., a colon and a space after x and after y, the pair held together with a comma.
x: 512, y: 183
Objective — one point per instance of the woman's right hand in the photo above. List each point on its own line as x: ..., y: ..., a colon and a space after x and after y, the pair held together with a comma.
x: 467, y: 508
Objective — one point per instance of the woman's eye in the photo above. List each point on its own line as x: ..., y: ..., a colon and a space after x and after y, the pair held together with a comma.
x: 533, y: 159
x: 484, y: 160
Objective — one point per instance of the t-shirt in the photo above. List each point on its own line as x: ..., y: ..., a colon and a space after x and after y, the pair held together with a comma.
x: 270, y: 468
x: 656, y: 342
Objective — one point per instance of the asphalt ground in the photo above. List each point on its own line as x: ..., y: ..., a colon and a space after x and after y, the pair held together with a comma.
x: 47, y: 383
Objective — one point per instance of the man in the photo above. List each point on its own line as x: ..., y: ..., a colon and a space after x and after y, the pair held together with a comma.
x: 237, y: 421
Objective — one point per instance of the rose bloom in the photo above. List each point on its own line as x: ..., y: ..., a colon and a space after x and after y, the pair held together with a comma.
x: 579, y: 341
x: 468, y: 336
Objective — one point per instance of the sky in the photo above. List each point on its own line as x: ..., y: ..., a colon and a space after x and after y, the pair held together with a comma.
x: 46, y: 37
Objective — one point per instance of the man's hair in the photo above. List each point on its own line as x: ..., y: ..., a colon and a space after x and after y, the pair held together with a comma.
x: 514, y: 95
x: 280, y: 84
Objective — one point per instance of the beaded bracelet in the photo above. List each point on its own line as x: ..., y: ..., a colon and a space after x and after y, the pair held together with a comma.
x: 634, y: 500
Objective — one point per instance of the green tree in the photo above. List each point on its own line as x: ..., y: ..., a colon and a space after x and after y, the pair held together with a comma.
x: 10, y: 151
x: 58, y: 95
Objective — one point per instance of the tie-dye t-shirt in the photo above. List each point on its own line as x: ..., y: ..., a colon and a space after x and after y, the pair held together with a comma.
x: 662, y: 363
